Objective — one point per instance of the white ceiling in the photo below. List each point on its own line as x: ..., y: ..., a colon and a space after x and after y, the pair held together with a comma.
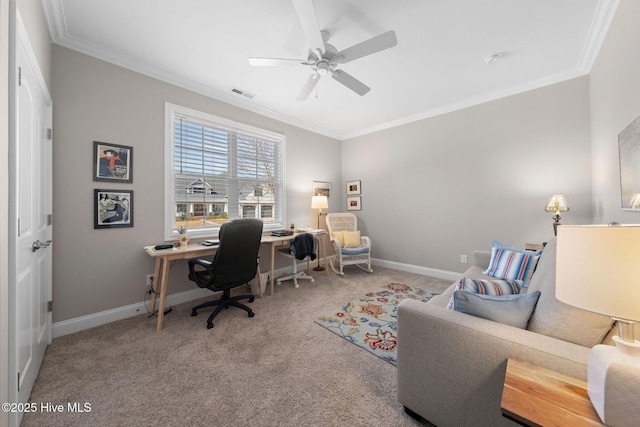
x: 437, y: 66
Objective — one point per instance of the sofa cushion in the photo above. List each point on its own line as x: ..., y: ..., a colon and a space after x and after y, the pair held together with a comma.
x: 556, y: 319
x: 513, y: 310
x: 511, y: 263
x: 487, y: 287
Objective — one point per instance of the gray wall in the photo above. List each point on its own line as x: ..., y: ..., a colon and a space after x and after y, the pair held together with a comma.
x: 432, y: 189
x: 97, y: 270
x: 615, y: 102
x: 444, y: 186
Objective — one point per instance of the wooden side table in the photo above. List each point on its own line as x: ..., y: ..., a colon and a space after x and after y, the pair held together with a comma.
x: 536, y: 396
x: 533, y: 246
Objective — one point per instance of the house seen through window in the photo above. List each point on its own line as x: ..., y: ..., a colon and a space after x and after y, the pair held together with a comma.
x: 219, y: 170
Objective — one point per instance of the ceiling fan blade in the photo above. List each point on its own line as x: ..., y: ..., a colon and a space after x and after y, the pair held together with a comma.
x: 309, y: 21
x: 312, y: 81
x: 367, y: 47
x: 272, y: 62
x: 351, y: 82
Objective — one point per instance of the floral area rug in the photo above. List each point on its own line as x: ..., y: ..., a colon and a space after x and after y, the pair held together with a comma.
x: 370, y: 321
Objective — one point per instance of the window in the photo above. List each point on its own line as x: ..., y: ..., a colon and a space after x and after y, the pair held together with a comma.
x: 217, y: 170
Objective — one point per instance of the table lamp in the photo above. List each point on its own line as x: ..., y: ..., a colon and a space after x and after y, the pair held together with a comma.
x: 319, y: 202
x: 598, y: 269
x: 556, y: 204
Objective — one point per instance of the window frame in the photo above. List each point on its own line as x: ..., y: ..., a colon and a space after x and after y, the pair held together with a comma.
x: 279, y: 206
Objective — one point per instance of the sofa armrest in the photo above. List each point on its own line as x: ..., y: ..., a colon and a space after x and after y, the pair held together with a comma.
x: 451, y: 365
x: 481, y: 259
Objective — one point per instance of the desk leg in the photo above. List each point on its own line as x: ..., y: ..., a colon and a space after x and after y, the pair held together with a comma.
x: 154, y: 287
x: 273, y: 265
x: 163, y: 293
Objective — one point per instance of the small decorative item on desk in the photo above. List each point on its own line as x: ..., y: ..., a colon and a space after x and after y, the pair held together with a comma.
x: 183, y: 235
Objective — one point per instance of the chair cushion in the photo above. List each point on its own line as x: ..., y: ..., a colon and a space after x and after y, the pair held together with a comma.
x: 354, y: 251
x: 487, y: 287
x: 513, y: 310
x: 511, y: 263
x: 351, y: 239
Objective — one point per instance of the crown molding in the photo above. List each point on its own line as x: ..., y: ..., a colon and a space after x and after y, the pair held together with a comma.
x: 56, y: 23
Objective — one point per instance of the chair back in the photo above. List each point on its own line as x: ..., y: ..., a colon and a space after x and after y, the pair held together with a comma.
x: 341, y: 222
x: 236, y: 260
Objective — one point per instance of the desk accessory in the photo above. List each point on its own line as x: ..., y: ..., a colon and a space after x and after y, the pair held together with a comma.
x: 598, y: 269
x: 161, y: 247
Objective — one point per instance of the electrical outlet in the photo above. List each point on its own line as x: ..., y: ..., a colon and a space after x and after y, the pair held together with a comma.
x: 149, y: 280
x: 463, y: 259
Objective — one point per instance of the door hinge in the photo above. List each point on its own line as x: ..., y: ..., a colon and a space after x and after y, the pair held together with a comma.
x: 49, y: 306
x: 18, y: 381
x: 19, y: 76
x: 18, y: 227
x: 49, y: 134
x: 49, y: 219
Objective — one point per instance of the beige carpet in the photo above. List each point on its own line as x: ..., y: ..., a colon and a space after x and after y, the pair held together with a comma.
x: 275, y: 369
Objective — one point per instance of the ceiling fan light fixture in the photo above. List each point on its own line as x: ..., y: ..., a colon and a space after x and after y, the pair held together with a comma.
x: 323, y: 68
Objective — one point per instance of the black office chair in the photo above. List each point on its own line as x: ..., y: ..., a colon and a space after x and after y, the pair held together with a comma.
x: 234, y: 264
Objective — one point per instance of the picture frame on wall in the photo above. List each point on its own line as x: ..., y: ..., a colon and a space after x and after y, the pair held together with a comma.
x: 354, y: 203
x: 112, y: 162
x: 321, y: 188
x: 112, y: 208
x: 629, y: 152
x: 353, y: 187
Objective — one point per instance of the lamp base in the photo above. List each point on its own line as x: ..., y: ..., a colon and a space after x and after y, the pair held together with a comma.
x: 318, y: 268
x: 614, y: 386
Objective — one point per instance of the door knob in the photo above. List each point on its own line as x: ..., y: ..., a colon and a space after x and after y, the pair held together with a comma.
x: 40, y: 245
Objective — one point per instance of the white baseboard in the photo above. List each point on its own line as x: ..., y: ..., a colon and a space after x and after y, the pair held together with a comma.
x: 78, y: 324
x: 425, y: 271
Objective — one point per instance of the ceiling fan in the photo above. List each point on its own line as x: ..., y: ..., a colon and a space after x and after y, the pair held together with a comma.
x: 324, y: 58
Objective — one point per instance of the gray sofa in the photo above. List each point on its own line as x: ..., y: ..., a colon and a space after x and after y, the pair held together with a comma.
x: 451, y: 365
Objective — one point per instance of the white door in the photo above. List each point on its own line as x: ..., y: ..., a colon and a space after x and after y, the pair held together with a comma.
x: 31, y: 197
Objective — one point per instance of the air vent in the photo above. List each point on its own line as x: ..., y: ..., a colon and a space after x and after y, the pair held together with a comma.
x: 242, y: 93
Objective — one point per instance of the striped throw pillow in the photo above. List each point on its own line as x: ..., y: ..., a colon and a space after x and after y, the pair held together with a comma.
x: 487, y: 287
x: 512, y: 264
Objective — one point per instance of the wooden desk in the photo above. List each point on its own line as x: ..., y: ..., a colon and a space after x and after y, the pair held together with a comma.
x: 161, y: 270
x: 536, y: 396
x: 196, y: 250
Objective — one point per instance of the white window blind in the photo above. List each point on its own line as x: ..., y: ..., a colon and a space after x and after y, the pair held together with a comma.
x: 218, y: 170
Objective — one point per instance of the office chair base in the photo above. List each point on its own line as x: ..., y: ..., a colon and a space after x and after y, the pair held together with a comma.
x: 295, y: 277
x: 225, y: 301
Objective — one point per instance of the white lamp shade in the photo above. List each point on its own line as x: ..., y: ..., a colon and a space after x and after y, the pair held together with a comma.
x: 319, y: 202
x: 557, y: 203
x: 598, y: 269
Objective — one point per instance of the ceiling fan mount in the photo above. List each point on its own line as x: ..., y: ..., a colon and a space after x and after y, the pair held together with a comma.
x: 323, y: 57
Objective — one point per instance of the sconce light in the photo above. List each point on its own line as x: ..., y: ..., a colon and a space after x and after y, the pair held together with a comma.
x: 556, y: 204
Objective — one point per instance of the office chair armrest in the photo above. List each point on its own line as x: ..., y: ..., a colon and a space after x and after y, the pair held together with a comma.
x: 201, y: 262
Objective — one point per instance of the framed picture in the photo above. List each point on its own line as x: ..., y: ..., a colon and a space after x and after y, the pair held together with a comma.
x: 112, y: 208
x: 629, y: 150
x: 321, y: 189
x: 354, y: 203
x: 112, y: 162
x: 353, y: 187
